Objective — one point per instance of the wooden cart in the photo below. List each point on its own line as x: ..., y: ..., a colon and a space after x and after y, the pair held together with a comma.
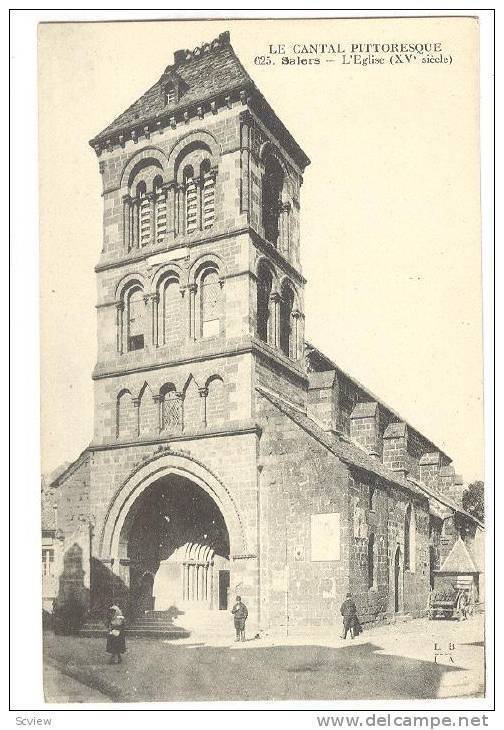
x: 452, y: 599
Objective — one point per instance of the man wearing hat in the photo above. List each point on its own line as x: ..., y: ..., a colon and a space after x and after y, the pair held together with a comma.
x: 240, y: 613
x: 350, y: 621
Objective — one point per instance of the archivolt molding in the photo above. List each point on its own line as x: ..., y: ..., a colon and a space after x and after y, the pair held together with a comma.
x: 150, y: 152
x: 149, y: 470
x: 201, y: 136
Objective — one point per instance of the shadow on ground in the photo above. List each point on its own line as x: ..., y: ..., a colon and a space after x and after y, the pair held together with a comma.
x: 156, y: 671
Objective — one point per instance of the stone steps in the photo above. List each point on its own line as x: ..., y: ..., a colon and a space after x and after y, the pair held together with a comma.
x: 162, y: 624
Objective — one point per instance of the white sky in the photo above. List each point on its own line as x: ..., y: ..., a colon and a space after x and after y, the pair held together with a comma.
x: 390, y: 231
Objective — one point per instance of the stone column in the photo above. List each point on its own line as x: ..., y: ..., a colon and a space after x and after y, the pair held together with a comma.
x: 120, y: 327
x: 158, y: 400
x: 136, y: 404
x: 296, y: 322
x: 126, y: 222
x: 274, y: 319
x: 284, y: 234
x: 135, y: 222
x: 211, y: 585
x: 154, y: 301
x: 203, y: 395
x: 192, y: 310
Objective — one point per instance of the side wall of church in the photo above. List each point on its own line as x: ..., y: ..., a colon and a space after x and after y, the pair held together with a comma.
x: 379, y: 522
x: 299, y: 478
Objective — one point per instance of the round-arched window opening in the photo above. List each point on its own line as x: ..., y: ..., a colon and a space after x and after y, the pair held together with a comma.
x: 141, y: 189
x: 272, y: 185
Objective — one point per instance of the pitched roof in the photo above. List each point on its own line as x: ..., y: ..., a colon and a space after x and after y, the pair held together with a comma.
x: 200, y: 76
x: 328, y: 364
x: 205, y: 72
x: 459, y: 560
x: 344, y: 450
x: 351, y: 454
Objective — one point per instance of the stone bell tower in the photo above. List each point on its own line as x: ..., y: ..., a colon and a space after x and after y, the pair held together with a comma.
x: 200, y: 298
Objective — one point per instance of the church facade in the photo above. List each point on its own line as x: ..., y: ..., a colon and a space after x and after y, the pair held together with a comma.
x: 230, y: 456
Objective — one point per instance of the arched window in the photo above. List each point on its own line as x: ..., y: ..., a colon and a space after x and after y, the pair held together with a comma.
x: 264, y: 286
x: 272, y: 184
x: 160, y: 208
x: 215, y: 403
x: 409, y: 539
x: 126, y: 418
x: 207, y: 179
x: 195, y: 174
x: 191, y: 200
x: 135, y: 320
x: 286, y: 307
x: 372, y: 561
x: 171, y: 323
x: 210, y: 303
x: 171, y: 408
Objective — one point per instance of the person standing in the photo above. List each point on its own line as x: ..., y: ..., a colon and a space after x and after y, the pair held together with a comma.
x: 240, y: 613
x: 116, y: 636
x: 350, y: 621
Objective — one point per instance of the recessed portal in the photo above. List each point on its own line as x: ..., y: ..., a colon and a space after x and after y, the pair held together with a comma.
x: 177, y: 544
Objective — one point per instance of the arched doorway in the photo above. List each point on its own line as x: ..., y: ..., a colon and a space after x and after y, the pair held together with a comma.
x: 398, y: 581
x: 176, y: 544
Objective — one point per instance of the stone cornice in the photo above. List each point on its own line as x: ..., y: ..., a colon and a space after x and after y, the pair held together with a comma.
x: 252, y: 346
x: 183, y: 243
x: 211, y: 104
x: 239, y: 428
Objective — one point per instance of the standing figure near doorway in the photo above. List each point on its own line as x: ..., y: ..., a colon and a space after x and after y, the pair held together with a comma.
x: 240, y: 613
x: 116, y: 641
x: 350, y: 620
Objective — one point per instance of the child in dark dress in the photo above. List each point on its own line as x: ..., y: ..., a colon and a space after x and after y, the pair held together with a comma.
x: 116, y: 639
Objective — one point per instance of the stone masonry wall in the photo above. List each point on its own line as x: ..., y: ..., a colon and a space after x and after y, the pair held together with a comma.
x: 298, y: 478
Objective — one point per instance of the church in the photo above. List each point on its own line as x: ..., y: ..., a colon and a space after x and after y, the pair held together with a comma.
x: 229, y: 455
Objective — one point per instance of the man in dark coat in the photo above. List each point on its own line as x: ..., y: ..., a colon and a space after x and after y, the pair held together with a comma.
x: 240, y: 613
x: 350, y: 620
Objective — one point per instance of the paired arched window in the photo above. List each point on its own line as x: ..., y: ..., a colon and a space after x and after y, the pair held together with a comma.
x: 195, y: 174
x: 272, y: 185
x: 153, y: 206
x: 264, y: 287
x: 210, y: 290
x: 145, y: 207
x: 409, y: 539
x: 135, y: 319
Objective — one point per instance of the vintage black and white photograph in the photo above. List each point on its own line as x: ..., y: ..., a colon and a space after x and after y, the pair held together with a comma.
x: 261, y: 360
